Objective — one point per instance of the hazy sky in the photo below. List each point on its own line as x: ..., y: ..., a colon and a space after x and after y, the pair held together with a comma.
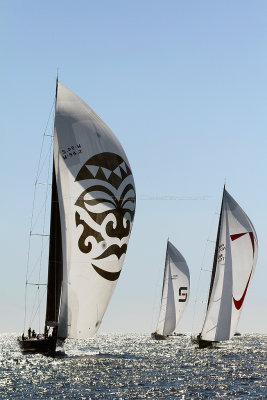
x: 183, y: 86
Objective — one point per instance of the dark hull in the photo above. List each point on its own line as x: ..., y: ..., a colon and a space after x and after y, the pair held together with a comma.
x: 44, y: 346
x: 179, y: 334
x: 156, y: 336
x: 202, y: 344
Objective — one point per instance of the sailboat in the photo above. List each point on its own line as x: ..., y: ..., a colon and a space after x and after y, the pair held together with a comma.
x: 175, y: 292
x: 234, y: 263
x: 92, y: 212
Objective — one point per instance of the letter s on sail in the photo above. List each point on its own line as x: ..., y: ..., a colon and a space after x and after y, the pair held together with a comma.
x: 182, y: 293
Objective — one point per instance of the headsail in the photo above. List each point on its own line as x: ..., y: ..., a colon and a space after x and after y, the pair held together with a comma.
x: 234, y: 263
x: 175, y: 291
x: 97, y: 202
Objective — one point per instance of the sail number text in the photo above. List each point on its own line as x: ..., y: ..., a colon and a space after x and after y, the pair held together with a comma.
x: 221, y: 250
x: 183, y: 294
x: 71, y: 151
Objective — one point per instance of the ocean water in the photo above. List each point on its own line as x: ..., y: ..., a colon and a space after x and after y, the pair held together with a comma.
x: 113, y: 366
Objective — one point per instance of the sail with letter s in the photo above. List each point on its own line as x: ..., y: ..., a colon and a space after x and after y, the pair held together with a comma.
x: 175, y: 291
x: 96, y: 202
x: 234, y: 264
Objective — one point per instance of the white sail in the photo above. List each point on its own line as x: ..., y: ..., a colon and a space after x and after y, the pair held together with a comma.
x: 97, y: 202
x: 236, y: 257
x: 175, y: 291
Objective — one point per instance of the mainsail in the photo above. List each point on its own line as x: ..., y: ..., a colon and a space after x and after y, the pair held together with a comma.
x: 234, y: 264
x: 93, y: 194
x: 55, y: 265
x: 175, y: 291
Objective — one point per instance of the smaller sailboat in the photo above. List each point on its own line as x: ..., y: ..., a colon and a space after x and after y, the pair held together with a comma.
x: 175, y: 293
x: 234, y: 263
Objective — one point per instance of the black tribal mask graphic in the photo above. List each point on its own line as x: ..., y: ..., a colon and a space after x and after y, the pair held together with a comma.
x: 109, y: 202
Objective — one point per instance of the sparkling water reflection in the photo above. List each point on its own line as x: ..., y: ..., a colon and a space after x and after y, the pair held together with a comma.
x: 136, y: 367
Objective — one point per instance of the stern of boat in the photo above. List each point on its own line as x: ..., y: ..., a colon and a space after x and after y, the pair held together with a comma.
x: 157, y: 336
x: 44, y: 346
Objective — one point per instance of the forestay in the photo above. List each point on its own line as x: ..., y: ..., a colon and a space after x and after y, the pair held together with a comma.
x: 175, y: 291
x: 234, y: 263
x: 97, y: 202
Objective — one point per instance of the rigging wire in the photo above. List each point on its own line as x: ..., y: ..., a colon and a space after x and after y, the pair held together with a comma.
x: 157, y: 287
x: 44, y: 220
x: 202, y: 269
x: 47, y: 156
x: 37, y: 262
x: 39, y: 168
x: 38, y: 307
x: 38, y: 216
x: 32, y: 311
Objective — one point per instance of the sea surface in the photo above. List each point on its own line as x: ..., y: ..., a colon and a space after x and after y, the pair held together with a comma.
x: 113, y: 366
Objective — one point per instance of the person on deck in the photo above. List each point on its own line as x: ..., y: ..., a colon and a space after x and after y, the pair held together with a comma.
x: 54, y: 332
x: 29, y: 333
x: 46, y: 332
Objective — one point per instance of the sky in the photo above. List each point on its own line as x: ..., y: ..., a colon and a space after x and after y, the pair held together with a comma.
x: 182, y: 84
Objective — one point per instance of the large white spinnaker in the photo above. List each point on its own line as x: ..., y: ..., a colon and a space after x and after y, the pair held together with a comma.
x: 175, y: 291
x: 234, y: 263
x: 96, y: 197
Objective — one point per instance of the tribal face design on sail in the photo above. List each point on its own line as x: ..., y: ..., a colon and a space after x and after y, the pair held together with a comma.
x: 105, y: 210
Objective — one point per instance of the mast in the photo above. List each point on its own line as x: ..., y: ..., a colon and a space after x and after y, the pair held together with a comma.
x: 165, y: 268
x: 55, y: 264
x: 216, y: 251
x: 163, y: 283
